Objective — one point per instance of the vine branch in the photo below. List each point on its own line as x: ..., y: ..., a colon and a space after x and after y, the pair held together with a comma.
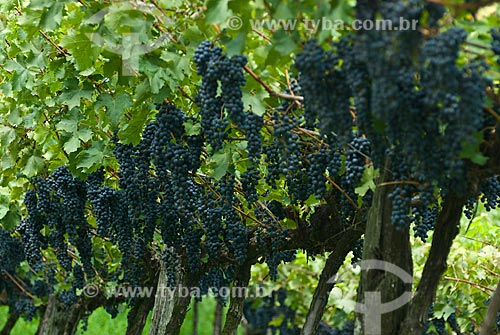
x: 489, y: 323
x: 269, y: 89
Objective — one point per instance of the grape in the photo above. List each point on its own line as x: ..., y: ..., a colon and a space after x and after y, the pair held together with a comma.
x: 470, y: 208
x: 31, y: 231
x: 317, y: 167
x: 495, y: 43
x: 68, y: 297
x: 78, y: 277
x: 490, y: 191
x: 326, y: 98
x: 11, y: 252
x: 355, y: 160
x: 270, y: 308
x: 371, y: 97
x: 112, y: 310
x: 220, y: 72
x: 357, y: 251
x: 270, y: 241
x: 26, y: 307
x: 424, y: 220
x: 452, y: 321
x: 436, y: 12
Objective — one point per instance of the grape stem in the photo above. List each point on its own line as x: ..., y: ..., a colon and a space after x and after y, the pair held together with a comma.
x: 465, y: 281
x: 492, y: 112
x: 269, y: 89
x: 18, y: 285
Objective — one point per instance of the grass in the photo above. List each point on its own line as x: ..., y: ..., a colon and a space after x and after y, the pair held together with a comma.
x: 100, y: 322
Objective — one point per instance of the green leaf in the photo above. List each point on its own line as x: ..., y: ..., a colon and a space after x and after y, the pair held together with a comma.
x: 217, y: 11
x: 91, y: 157
x: 284, y: 11
x: 367, y: 181
x: 236, y: 45
x: 283, y: 43
x: 72, y: 145
x: 115, y: 106
x: 142, y: 91
x: 33, y: 165
x: 471, y: 150
x: 277, y: 321
x: 254, y: 101
x: 4, y: 205
x: 221, y: 160
x: 81, y: 48
x: 51, y: 18
x: 72, y: 93
x: 446, y: 312
x: 85, y: 134
x: 68, y: 125
x: 312, y: 201
x: 22, y: 78
x: 7, y: 89
x: 7, y: 136
x: 10, y: 220
x: 192, y: 128
x: 131, y: 131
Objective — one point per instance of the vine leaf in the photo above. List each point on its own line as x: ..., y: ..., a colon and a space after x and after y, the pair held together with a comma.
x: 115, y: 106
x: 367, y: 181
x: 221, y: 160
x: 472, y: 151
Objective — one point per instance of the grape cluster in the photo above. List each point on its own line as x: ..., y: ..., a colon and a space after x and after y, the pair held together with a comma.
x: 271, y: 242
x: 300, y: 165
x: 356, y: 156
x: 250, y: 178
x: 372, y: 96
x: 26, y: 307
x: 318, y: 164
x: 224, y: 74
x: 211, y: 105
x: 11, y: 256
x: 215, y: 279
x: 214, y: 228
x: 260, y: 312
x: 470, y: 208
x: 346, y: 329
x: 435, y: 12
x: 11, y: 252
x: 73, y: 193
x: 68, y: 297
x: 421, y: 112
x: 30, y: 229
x: 283, y: 153
x: 236, y: 237
x: 112, y: 310
x: 357, y: 251
x: 269, y: 308
x: 58, y: 202
x: 424, y: 220
x: 440, y: 324
x: 78, y: 277
x: 452, y: 321
x: 495, y: 43
x: 490, y: 193
x: 357, y: 152
x: 326, y: 97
